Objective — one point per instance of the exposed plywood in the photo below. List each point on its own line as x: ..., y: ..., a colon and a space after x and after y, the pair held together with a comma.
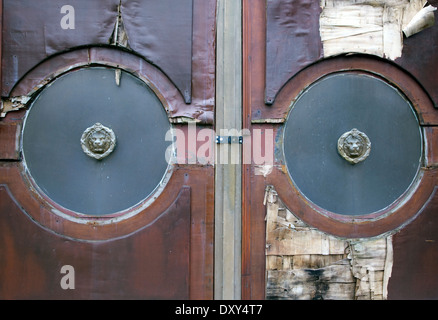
x: 303, y: 263
x: 332, y: 282
x: 369, y: 264
x: 372, y: 27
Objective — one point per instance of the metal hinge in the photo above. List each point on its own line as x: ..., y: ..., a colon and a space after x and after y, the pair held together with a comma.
x: 229, y: 139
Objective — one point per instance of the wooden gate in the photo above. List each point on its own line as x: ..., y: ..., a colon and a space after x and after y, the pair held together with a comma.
x: 109, y: 185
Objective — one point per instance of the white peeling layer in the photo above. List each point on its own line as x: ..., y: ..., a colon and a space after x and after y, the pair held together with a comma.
x: 422, y: 20
x: 371, y: 27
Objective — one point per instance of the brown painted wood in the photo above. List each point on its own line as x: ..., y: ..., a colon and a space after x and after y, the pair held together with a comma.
x: 58, y: 65
x: 161, y: 248
x: 21, y: 201
x: 30, y: 209
x: 39, y: 65
x: 9, y: 131
x: 1, y: 43
x: 148, y: 264
x: 253, y: 212
x: 351, y: 63
x: 414, y: 275
x: 432, y: 146
x: 419, y: 57
x: 45, y: 36
x: 170, y: 47
x: 407, y: 219
x: 371, y: 225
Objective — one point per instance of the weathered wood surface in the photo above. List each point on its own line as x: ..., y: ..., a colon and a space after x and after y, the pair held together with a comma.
x: 372, y: 27
x: 332, y: 282
x: 411, y: 245
x: 303, y: 263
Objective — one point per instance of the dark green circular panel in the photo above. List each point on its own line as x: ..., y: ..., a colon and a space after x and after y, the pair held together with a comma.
x: 333, y: 106
x: 52, y: 141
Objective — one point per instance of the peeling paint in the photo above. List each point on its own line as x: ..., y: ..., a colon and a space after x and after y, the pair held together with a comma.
x: 13, y: 104
x: 424, y: 19
x: 263, y: 170
x: 303, y: 263
x: 371, y: 27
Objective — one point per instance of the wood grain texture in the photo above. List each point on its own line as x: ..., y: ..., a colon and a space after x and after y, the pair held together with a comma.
x: 303, y: 263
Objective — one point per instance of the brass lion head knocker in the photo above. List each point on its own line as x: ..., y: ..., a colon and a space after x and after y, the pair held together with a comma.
x: 98, y: 141
x: 354, y: 146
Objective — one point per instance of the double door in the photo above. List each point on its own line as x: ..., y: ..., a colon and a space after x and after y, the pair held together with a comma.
x: 181, y: 150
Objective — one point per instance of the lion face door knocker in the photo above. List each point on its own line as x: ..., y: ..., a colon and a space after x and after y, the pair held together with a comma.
x: 354, y: 146
x: 98, y: 141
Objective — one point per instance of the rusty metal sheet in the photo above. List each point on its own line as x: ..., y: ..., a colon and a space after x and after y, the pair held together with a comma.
x: 161, y: 31
x: 292, y: 41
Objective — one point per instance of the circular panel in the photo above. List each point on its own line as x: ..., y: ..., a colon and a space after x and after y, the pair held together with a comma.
x: 364, y: 174
x: 95, y: 147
